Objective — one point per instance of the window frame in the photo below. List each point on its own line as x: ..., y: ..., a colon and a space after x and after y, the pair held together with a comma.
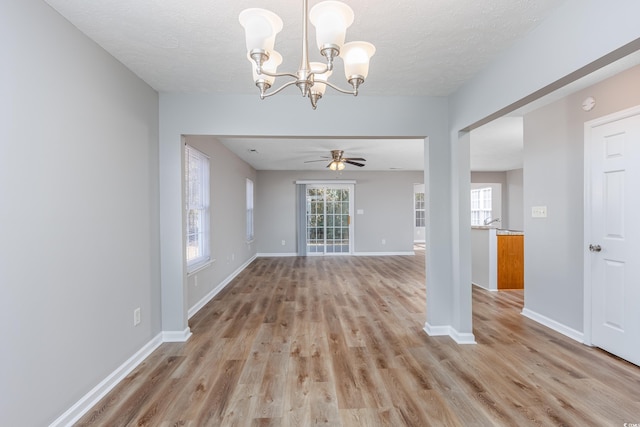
x: 200, y: 203
x: 481, y: 205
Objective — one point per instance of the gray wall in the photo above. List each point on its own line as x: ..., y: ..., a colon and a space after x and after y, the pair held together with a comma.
x: 385, y: 197
x: 79, y: 242
x: 553, y: 177
x: 64, y: 99
x: 515, y: 199
x: 229, y: 246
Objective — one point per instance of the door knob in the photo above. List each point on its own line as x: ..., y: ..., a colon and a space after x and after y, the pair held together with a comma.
x: 595, y: 248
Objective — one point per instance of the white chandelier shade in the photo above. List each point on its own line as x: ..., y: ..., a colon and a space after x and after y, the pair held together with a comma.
x: 261, y: 27
x: 356, y: 57
x: 331, y: 19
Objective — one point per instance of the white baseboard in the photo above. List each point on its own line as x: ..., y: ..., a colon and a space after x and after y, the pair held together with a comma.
x: 384, y: 253
x: 283, y: 254
x: 556, y: 326
x: 176, y: 336
x: 90, y: 399
x: 486, y: 289
x: 288, y: 254
x: 197, y: 306
x: 447, y: 330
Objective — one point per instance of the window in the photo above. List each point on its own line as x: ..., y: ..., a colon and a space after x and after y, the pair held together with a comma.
x: 481, y: 208
x: 197, y: 208
x: 249, y: 210
x: 419, y: 209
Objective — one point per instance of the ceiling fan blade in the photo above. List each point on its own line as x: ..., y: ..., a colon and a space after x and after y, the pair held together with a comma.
x: 355, y: 158
x: 312, y: 161
x: 354, y: 163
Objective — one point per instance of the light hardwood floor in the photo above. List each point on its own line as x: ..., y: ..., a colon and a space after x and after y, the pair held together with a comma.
x: 338, y: 341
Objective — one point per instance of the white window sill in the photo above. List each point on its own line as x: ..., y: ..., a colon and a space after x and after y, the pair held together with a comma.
x: 199, y: 267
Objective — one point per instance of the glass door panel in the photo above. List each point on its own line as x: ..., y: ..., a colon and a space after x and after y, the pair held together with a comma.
x: 329, y: 219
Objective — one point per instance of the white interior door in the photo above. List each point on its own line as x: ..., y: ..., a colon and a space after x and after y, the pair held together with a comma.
x: 613, y: 261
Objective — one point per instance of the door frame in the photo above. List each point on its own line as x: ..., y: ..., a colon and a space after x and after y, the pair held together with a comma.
x: 351, y: 184
x: 588, y: 296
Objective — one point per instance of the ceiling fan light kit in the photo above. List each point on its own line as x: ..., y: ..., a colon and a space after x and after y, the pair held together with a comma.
x: 331, y: 20
x: 338, y: 162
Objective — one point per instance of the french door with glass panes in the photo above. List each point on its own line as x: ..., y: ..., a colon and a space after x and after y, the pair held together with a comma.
x: 329, y: 227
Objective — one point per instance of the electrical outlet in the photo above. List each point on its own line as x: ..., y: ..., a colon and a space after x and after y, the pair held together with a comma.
x: 195, y: 280
x: 384, y: 241
x: 284, y: 243
x: 233, y: 257
x: 136, y: 316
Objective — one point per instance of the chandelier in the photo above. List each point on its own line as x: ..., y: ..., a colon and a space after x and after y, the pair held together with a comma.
x: 331, y: 20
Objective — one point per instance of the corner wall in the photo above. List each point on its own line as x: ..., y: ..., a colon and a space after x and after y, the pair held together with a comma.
x: 79, y: 224
x: 554, y: 177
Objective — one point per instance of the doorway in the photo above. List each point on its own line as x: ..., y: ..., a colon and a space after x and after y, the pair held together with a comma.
x: 328, y: 225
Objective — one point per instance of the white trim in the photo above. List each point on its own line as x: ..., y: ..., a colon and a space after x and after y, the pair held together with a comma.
x: 586, y: 273
x: 486, y: 289
x: 90, y: 399
x: 409, y: 253
x: 462, y: 337
x: 552, y: 324
x: 435, y: 331
x: 201, y: 267
x: 197, y: 306
x: 276, y: 254
x: 328, y: 181
x: 176, y: 336
x: 287, y: 254
x: 450, y: 331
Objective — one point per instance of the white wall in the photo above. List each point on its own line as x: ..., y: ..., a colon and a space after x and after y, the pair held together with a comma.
x: 79, y: 241
x: 385, y: 197
x: 553, y: 177
x: 229, y: 246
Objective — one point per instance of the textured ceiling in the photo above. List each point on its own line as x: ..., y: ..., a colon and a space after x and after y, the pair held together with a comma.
x: 423, y: 47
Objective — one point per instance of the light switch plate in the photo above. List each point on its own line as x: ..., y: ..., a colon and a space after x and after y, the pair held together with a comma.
x: 539, y: 212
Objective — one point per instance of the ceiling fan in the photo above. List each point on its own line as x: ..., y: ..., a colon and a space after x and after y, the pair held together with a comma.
x: 338, y: 162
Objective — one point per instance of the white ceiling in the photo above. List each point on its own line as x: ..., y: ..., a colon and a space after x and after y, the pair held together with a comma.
x: 423, y: 48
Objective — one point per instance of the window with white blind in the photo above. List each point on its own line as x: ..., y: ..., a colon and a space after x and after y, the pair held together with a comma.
x: 249, y: 210
x: 197, y: 208
x: 481, y: 206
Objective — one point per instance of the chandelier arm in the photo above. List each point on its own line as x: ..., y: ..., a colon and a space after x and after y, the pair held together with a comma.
x: 266, y: 73
x: 266, y: 95
x: 348, y: 92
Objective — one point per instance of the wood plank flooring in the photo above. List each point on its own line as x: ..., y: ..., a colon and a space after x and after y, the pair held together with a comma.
x: 338, y: 341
